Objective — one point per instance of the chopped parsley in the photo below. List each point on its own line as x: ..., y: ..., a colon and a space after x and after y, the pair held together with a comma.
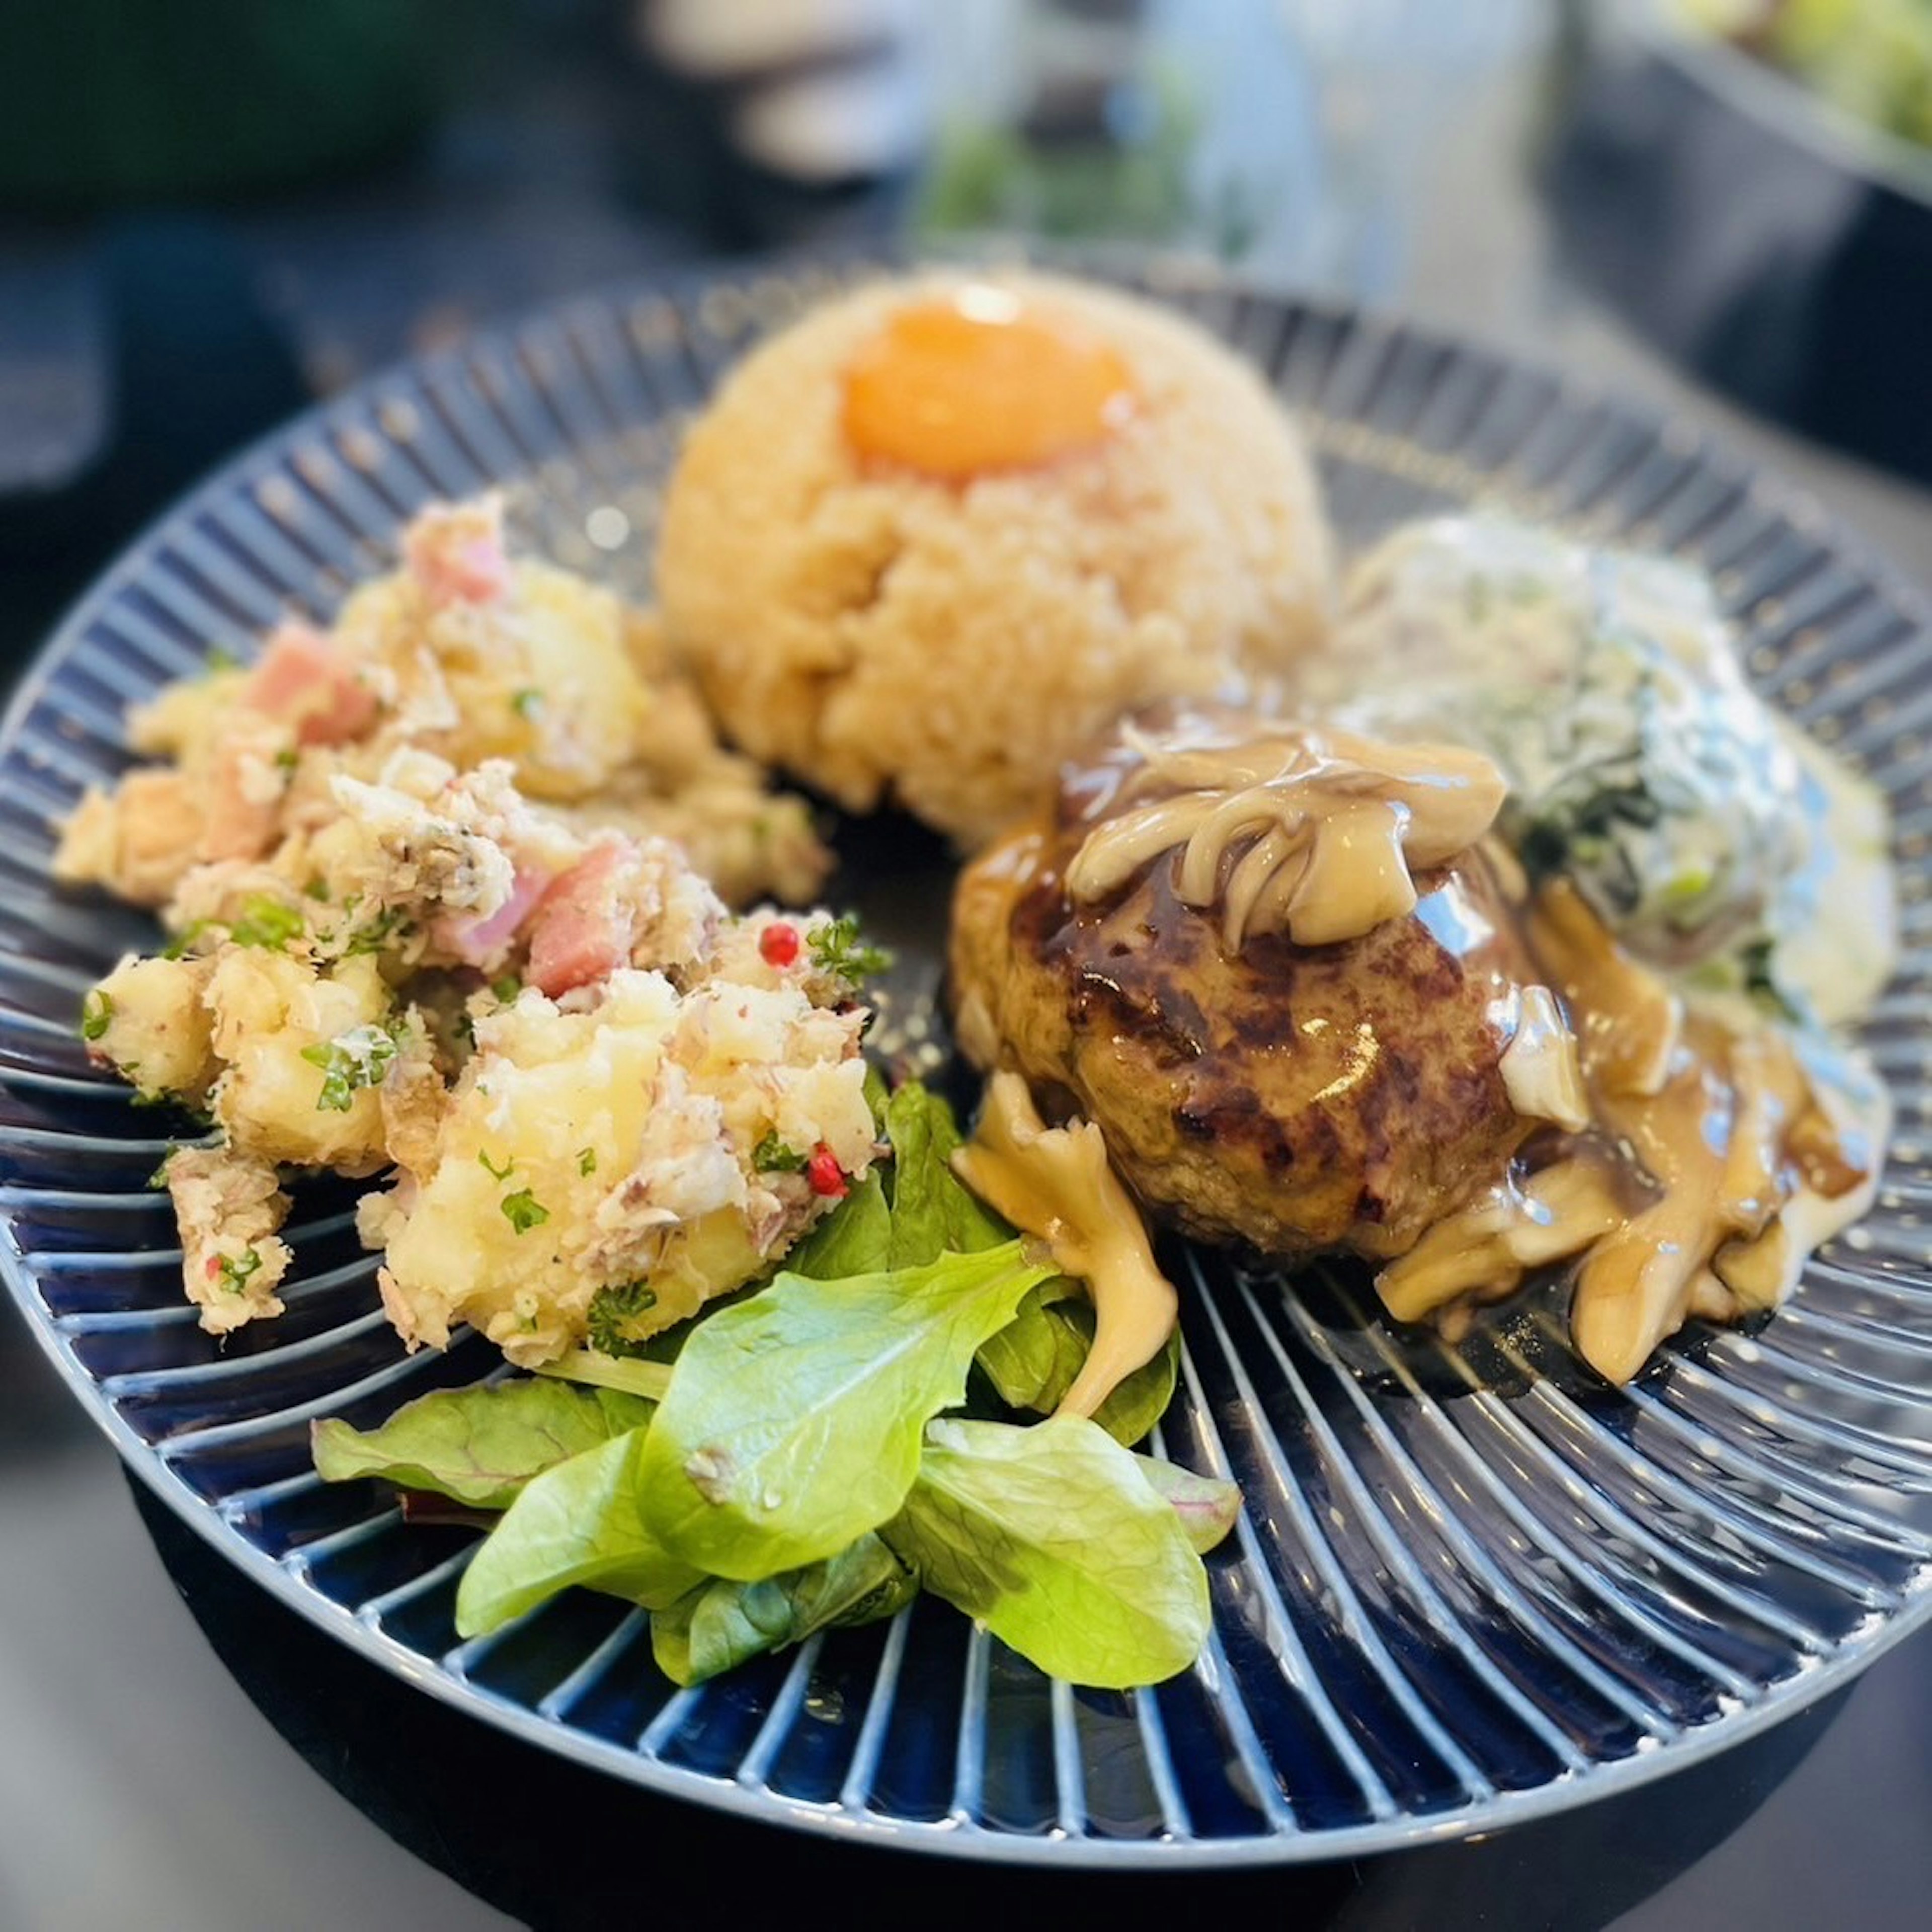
x: 220, y: 658
x: 612, y: 1310
x: 96, y: 1010
x: 586, y: 1160
x: 505, y: 990
x: 356, y: 1059
x: 524, y: 1210
x: 490, y: 1167
x: 285, y: 759
x: 235, y: 1269
x: 316, y: 889
x: 528, y: 703
x: 373, y: 935
x: 158, y: 1181
x: 177, y: 948
x: 771, y: 1156
x: 837, y: 948
x: 267, y: 923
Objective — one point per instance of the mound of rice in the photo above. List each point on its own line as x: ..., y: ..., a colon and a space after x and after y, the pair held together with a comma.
x: 883, y: 633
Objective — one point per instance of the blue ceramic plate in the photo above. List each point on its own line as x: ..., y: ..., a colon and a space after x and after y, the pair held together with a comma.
x: 1471, y: 1586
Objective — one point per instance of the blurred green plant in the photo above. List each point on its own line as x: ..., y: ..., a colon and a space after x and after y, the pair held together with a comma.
x: 1107, y: 185
x: 113, y: 101
x: 1871, y: 57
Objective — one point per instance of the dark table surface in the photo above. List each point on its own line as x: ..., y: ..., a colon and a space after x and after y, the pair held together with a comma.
x: 176, y: 1749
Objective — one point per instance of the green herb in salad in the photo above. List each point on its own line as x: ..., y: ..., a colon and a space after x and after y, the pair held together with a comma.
x: 350, y: 1062
x: 478, y: 1446
x: 721, y: 1624
x: 182, y: 943
x: 771, y: 1156
x: 235, y: 1270
x: 372, y: 934
x: 1054, y: 1538
x: 524, y: 1210
x: 836, y: 947
x: 804, y: 1460
x: 613, y: 1309
x: 266, y: 922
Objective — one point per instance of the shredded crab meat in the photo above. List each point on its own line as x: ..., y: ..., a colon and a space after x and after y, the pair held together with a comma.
x: 228, y: 1208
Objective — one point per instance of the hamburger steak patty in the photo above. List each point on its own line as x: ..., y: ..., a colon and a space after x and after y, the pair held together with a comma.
x: 1295, y: 1098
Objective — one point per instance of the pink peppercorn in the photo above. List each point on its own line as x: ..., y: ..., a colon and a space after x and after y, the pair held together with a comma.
x: 824, y: 1174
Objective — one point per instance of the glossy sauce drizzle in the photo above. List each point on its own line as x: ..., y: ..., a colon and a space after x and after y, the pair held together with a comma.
x: 980, y: 382
x: 1716, y: 1161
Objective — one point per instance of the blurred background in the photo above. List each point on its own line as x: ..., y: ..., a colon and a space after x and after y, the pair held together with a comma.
x: 213, y: 211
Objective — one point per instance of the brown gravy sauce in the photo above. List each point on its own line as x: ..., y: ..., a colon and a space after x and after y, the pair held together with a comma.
x: 1685, y: 1167
x: 1713, y: 1162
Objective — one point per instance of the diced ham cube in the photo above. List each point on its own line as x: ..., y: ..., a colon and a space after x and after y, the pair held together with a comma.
x: 584, y: 929
x: 304, y: 680
x: 479, y: 940
x: 455, y: 552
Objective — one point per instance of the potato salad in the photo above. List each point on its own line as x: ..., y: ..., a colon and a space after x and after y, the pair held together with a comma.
x: 428, y: 920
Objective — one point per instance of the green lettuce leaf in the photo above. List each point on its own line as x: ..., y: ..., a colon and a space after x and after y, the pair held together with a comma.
x: 792, y: 1422
x: 1054, y: 1538
x: 855, y: 1238
x: 721, y: 1623
x: 1033, y: 1361
x: 1206, y: 1505
x: 934, y: 1211
x: 591, y: 1367
x: 915, y: 1210
x: 576, y: 1523
x: 907, y: 1211
x: 479, y: 1445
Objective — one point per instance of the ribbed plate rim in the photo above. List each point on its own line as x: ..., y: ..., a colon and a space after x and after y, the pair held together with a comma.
x: 1813, y: 1678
